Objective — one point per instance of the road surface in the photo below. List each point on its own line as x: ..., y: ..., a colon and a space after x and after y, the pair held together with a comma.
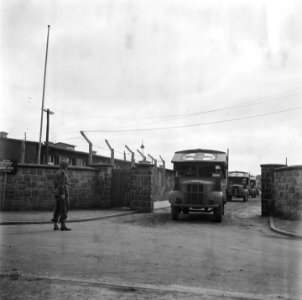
x: 149, y: 256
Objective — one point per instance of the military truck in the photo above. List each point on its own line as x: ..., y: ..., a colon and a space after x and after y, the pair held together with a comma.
x: 252, y: 187
x: 238, y: 185
x: 200, y: 182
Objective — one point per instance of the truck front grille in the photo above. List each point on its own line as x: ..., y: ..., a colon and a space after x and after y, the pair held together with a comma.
x: 195, y: 194
x: 236, y: 190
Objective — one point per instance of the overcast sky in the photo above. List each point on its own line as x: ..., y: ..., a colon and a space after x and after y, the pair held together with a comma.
x: 175, y: 74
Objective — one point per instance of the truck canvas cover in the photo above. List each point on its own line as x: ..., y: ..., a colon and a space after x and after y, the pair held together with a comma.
x: 238, y: 174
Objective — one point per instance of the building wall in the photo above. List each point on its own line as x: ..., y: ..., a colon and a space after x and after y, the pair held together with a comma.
x: 288, y: 192
x: 11, y: 149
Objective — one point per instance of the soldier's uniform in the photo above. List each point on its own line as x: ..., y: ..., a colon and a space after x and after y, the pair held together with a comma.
x: 62, y: 197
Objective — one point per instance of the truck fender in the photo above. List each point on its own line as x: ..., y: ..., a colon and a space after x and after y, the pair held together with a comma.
x: 216, y: 197
x: 174, y: 195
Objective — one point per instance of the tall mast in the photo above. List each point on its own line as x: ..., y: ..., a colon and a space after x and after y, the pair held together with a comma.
x: 43, y: 96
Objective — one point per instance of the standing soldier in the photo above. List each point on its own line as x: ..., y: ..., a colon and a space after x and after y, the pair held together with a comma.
x: 62, y: 197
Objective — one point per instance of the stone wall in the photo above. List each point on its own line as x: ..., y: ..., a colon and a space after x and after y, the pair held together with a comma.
x: 32, y: 188
x: 267, y: 188
x: 288, y: 192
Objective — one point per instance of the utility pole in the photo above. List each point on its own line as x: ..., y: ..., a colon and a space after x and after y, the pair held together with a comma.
x: 154, y: 161
x: 47, y: 133
x: 23, y: 149
x: 43, y: 97
x: 164, y: 171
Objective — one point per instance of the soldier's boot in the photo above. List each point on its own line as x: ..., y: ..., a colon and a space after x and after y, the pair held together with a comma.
x: 55, y: 224
x: 64, y: 228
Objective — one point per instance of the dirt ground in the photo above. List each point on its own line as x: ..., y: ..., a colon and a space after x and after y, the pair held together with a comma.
x: 149, y: 256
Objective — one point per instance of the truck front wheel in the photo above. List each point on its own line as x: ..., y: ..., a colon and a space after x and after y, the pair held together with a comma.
x: 218, y: 213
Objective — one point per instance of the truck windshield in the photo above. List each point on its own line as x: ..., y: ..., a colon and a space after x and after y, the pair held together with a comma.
x: 198, y: 171
x: 237, y: 180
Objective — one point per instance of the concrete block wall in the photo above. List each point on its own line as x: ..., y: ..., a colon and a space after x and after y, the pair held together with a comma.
x: 32, y: 188
x: 267, y: 188
x: 288, y: 192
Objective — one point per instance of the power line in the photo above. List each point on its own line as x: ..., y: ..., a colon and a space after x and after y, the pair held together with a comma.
x: 199, y: 124
x: 238, y: 106
x: 251, y: 102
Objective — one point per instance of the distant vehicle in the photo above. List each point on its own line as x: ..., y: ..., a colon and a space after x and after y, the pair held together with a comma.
x: 252, y: 187
x: 238, y: 185
x: 200, y: 182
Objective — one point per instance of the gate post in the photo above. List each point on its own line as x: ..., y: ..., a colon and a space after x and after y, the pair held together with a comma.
x: 267, y: 188
x: 141, y: 192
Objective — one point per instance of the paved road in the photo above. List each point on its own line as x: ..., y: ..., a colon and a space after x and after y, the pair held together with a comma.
x: 149, y: 256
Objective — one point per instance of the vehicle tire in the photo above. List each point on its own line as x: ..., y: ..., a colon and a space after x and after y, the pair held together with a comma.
x: 218, y: 213
x: 174, y: 212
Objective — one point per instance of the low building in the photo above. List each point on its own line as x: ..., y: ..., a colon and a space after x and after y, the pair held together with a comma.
x: 27, y: 152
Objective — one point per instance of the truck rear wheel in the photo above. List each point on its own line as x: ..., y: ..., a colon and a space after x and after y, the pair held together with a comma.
x: 174, y: 212
x: 218, y: 213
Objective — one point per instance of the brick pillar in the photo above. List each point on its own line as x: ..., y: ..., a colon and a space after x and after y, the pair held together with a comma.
x: 267, y: 188
x: 141, y: 189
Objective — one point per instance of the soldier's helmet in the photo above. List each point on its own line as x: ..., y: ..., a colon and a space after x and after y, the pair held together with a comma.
x: 64, y: 164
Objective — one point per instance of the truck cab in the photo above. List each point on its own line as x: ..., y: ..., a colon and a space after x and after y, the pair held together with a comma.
x: 238, y: 185
x: 200, y: 182
x: 252, y: 189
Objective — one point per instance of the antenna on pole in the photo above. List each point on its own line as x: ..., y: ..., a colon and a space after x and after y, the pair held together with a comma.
x: 43, y: 97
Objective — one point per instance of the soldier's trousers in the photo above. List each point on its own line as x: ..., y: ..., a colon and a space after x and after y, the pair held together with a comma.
x: 60, y: 210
